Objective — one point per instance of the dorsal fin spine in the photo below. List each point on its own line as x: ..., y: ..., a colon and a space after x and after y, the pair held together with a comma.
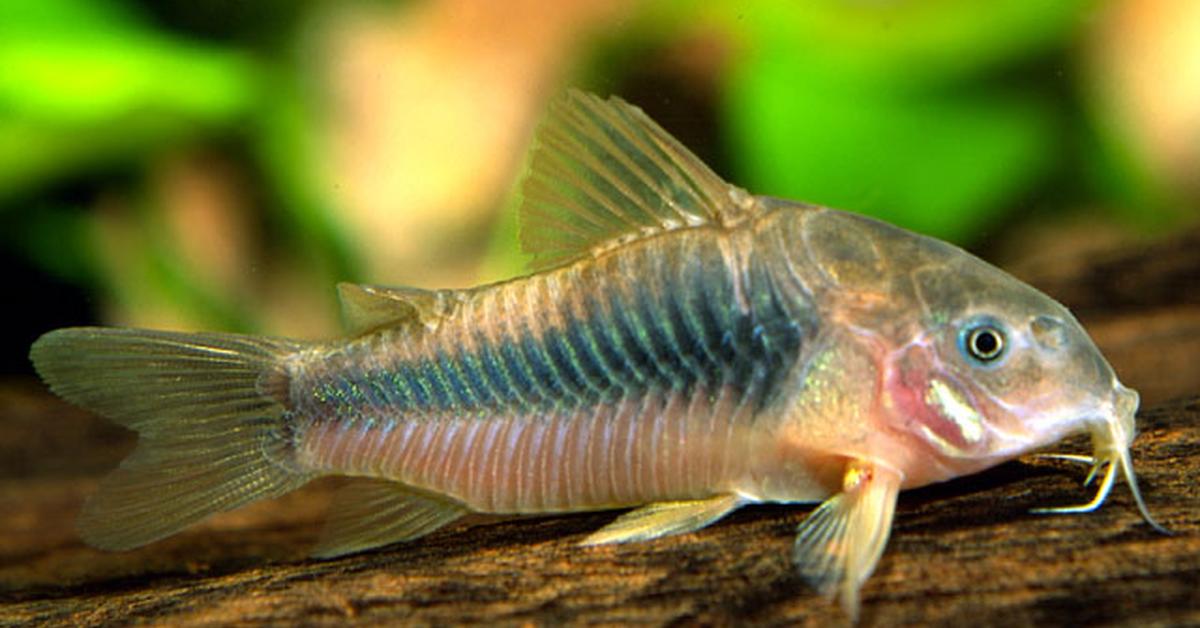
x: 662, y: 193
x: 611, y: 178
x: 637, y: 132
x: 568, y: 230
x: 603, y: 174
x: 687, y: 183
x: 564, y: 172
x: 657, y: 191
x: 654, y: 192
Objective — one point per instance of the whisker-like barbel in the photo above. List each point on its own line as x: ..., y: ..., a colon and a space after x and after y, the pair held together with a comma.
x: 1112, y: 454
x: 1101, y: 493
x: 1131, y: 479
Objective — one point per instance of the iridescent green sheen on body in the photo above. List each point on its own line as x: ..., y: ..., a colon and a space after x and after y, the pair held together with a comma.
x: 676, y: 327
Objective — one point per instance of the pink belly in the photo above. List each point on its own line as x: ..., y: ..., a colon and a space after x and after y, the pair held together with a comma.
x: 637, y: 450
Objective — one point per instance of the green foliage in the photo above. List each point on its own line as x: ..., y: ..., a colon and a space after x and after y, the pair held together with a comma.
x: 942, y: 162
x: 910, y: 43
x: 85, y: 84
x: 899, y: 110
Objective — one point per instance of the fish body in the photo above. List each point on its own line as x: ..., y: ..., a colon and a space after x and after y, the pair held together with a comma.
x: 634, y: 377
x: 683, y: 348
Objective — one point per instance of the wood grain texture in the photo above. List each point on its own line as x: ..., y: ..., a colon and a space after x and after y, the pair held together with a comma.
x: 964, y: 551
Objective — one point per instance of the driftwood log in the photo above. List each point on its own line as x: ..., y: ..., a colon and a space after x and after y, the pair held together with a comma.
x: 964, y: 551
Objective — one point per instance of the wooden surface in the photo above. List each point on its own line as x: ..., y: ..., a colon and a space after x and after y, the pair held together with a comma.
x: 965, y: 551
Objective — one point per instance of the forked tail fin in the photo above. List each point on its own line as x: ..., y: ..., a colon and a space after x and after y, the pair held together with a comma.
x: 208, y: 409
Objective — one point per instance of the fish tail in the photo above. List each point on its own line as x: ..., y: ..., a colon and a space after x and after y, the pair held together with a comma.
x: 209, y: 411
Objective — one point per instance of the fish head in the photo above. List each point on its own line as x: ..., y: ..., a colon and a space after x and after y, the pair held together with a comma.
x: 976, y: 366
x: 993, y: 369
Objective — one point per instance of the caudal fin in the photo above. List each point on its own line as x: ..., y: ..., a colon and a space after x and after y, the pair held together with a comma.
x: 208, y: 410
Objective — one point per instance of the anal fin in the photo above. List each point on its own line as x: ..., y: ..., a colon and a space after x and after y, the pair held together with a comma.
x: 368, y: 512
x: 839, y: 544
x: 664, y: 518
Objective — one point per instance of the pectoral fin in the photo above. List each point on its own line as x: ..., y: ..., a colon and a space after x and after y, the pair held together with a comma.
x: 839, y: 544
x: 370, y: 513
x: 664, y: 518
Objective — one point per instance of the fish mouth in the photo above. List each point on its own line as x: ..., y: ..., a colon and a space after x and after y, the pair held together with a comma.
x: 1112, y: 431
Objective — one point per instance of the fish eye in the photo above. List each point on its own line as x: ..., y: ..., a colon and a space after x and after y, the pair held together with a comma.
x: 984, y: 342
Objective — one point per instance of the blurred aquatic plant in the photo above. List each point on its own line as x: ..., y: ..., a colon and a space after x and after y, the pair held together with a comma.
x: 85, y: 83
x: 948, y: 116
x: 216, y: 177
x: 94, y: 96
x: 911, y: 111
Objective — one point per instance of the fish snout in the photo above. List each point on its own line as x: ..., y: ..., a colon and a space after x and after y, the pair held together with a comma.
x: 1125, y: 406
x: 1127, y: 400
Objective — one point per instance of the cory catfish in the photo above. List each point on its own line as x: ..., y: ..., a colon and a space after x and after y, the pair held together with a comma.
x: 682, y: 348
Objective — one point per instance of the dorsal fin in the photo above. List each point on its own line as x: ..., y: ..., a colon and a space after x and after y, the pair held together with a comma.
x: 602, y: 173
x: 365, y: 308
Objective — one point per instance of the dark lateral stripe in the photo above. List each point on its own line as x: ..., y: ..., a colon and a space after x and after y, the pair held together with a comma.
x: 692, y: 356
x: 522, y: 378
x: 651, y: 318
x: 603, y: 335
x: 496, y: 374
x: 625, y: 339
x: 532, y: 351
x: 672, y: 329
x: 585, y: 356
x: 453, y: 372
x: 474, y: 379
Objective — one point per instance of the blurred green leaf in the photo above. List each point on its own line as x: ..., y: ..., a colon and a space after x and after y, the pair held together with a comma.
x: 86, y: 83
x: 908, y: 42
x: 887, y: 108
x: 941, y: 161
x: 290, y: 154
x: 62, y: 15
x: 93, y: 78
